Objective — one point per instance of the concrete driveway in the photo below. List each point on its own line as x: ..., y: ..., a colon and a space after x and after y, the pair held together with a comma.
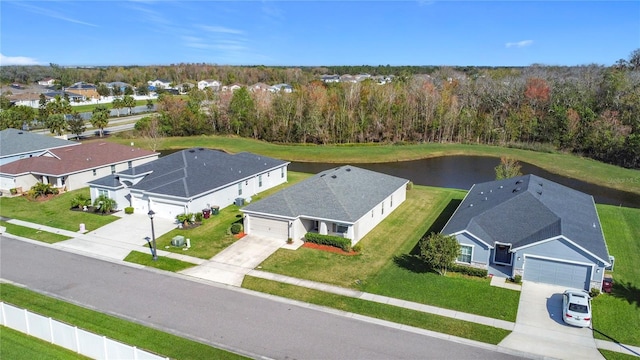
x: 540, y: 329
x: 117, y: 239
x: 233, y: 263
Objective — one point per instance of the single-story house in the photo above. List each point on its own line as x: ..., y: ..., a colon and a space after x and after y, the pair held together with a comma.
x: 346, y: 201
x: 190, y: 181
x: 533, y: 227
x: 210, y: 83
x: 19, y: 144
x: 158, y: 84
x: 72, y: 167
x: 47, y: 82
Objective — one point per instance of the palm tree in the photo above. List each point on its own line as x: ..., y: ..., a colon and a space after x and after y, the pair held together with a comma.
x: 100, y: 118
x: 104, y: 204
x: 129, y: 102
x: 56, y: 124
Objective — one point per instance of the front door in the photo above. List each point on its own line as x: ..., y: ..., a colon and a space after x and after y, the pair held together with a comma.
x: 502, y: 255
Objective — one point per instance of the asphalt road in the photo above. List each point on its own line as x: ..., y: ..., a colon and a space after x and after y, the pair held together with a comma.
x: 229, y: 318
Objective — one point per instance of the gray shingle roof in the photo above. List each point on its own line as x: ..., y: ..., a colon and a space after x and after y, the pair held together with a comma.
x: 344, y: 193
x: 527, y: 209
x: 192, y: 172
x: 13, y: 142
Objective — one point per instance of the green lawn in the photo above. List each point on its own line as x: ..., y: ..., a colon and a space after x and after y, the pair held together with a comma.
x: 20, y: 346
x: 54, y: 212
x: 560, y: 163
x: 34, y: 234
x: 163, y: 263
x: 395, y: 314
x: 388, y: 267
x: 617, y: 315
x: 89, y: 108
x: 613, y: 355
x: 118, y: 329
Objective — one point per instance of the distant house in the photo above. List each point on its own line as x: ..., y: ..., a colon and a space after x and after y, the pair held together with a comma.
x: 286, y: 88
x: 258, y: 87
x: 346, y: 201
x: 330, y: 78
x: 71, y: 167
x: 122, y: 86
x: 191, y: 180
x: 346, y: 78
x: 210, y: 83
x: 232, y: 87
x: 18, y: 144
x: 25, y: 99
x: 47, y: 82
x: 83, y: 89
x: 158, y: 84
x: 533, y: 227
x: 73, y: 97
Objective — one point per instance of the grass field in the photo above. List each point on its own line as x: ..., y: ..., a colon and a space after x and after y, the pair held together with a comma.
x: 395, y: 314
x: 54, y: 212
x: 617, y: 315
x: 118, y: 329
x: 20, y: 346
x: 560, y: 163
x: 34, y: 234
x: 163, y: 263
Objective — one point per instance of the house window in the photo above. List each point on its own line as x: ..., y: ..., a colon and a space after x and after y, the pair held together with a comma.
x: 102, y: 192
x: 382, y: 208
x: 391, y: 202
x: 129, y: 164
x: 95, y: 172
x: 371, y: 213
x: 465, y: 254
x: 113, y: 169
x: 340, y: 228
x: 239, y: 188
x: 282, y: 172
x: 259, y: 180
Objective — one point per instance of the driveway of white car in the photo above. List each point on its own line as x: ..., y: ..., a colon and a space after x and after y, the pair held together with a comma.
x: 540, y: 329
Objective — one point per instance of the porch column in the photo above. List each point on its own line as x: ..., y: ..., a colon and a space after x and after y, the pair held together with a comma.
x: 323, y: 228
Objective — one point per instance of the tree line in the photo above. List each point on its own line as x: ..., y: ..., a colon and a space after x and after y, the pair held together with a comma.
x: 590, y: 110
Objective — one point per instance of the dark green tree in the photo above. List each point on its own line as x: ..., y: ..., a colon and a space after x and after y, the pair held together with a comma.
x: 129, y: 102
x: 241, y: 110
x: 56, y: 124
x: 100, y: 118
x: 439, y: 251
x: 76, y: 125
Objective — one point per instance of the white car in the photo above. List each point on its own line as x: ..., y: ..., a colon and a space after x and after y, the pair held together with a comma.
x: 576, y: 308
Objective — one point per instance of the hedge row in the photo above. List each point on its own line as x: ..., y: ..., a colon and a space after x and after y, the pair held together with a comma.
x: 469, y: 270
x: 336, y: 241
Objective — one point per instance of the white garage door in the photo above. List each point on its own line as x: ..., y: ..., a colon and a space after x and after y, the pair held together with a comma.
x: 276, y: 229
x: 557, y: 272
x: 166, y: 211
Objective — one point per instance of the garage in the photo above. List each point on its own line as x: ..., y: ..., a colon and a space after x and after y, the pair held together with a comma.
x: 557, y: 272
x: 266, y: 227
x: 167, y: 211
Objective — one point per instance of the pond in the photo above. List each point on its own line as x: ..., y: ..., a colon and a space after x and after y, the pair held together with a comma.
x: 461, y: 172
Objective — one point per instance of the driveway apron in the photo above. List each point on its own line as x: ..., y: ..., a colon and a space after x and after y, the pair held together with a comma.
x: 233, y: 263
x: 540, y: 329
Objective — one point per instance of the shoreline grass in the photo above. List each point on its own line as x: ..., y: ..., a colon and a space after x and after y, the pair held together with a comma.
x: 17, y: 345
x: 127, y: 332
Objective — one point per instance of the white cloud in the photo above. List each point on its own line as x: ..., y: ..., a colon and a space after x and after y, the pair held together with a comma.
x: 220, y: 29
x: 17, y: 60
x: 519, y: 44
x: 52, y: 14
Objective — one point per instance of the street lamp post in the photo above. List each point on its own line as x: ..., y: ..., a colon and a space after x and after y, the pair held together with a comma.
x: 153, y: 237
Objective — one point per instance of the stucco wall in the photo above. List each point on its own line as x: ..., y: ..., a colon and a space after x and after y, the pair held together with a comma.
x: 480, y: 252
x: 372, y: 218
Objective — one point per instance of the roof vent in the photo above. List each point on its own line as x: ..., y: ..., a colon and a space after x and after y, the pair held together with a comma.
x: 322, y: 175
x: 20, y: 133
x: 333, y: 176
x: 201, y: 149
x: 485, y: 198
x: 517, y: 189
x: 501, y: 186
x: 348, y: 169
x: 470, y: 205
x: 481, y: 192
x: 519, y: 182
x: 539, y: 192
x: 192, y: 151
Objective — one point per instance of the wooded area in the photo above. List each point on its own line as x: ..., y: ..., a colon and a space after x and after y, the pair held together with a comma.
x: 590, y: 110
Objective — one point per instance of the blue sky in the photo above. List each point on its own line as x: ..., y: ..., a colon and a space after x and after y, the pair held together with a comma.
x: 313, y: 33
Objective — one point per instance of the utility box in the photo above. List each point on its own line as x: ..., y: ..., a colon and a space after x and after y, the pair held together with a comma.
x: 178, y: 241
x: 239, y: 201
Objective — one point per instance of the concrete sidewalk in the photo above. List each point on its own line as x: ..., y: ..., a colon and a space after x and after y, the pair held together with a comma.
x: 95, y: 245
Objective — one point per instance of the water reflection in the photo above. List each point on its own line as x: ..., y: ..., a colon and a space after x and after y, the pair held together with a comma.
x: 461, y: 172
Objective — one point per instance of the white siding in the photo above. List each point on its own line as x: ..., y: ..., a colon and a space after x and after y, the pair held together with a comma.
x: 372, y: 218
x: 7, y: 182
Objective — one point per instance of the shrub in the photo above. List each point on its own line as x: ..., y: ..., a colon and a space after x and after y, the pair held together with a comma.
x: 183, y: 218
x: 198, y: 217
x: 41, y: 189
x: 128, y: 210
x: 469, y: 270
x: 357, y: 247
x: 289, y: 241
x: 410, y: 185
x: 336, y: 241
x: 517, y: 279
x: 13, y: 191
x: 80, y: 201
x: 104, y: 204
x: 594, y: 292
x: 236, y: 228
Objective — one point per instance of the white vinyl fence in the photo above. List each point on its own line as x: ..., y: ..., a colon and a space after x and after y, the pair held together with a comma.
x: 70, y: 337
